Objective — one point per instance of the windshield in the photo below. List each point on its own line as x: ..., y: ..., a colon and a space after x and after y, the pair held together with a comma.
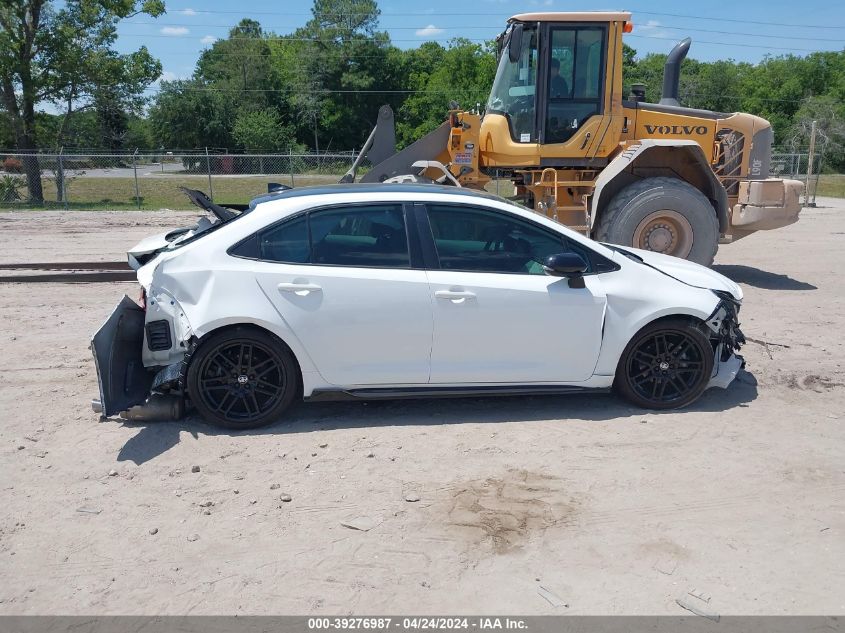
x: 514, y: 87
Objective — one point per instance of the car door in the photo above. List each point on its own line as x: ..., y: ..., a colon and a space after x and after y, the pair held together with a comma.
x: 497, y: 316
x: 342, y: 281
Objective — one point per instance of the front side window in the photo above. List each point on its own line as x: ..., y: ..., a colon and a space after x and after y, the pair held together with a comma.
x: 478, y: 240
x: 514, y: 88
x: 368, y: 236
x: 576, y: 68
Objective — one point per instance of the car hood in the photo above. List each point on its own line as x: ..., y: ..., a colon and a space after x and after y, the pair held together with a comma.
x: 687, y: 272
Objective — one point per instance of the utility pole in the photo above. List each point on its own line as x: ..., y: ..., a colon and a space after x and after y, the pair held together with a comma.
x: 810, y: 158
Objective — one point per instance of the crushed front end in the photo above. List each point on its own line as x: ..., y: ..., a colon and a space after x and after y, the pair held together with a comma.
x: 727, y: 339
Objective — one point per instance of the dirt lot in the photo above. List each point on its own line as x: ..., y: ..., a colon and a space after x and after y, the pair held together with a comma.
x: 611, y: 509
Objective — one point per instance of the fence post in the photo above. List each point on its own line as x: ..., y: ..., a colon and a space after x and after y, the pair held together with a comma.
x: 135, y: 172
x: 290, y: 159
x: 810, y: 157
x: 61, y: 186
x: 208, y: 165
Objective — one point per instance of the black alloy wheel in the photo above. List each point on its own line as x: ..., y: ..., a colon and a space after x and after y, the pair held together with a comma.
x: 666, y: 366
x: 242, y: 378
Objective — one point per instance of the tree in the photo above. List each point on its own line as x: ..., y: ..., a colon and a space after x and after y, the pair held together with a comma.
x: 262, y: 130
x: 342, y: 70
x: 64, y: 55
x: 189, y: 114
x: 463, y: 72
x: 241, y: 65
x: 829, y: 114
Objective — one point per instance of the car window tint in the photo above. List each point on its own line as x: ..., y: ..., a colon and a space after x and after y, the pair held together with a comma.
x: 247, y: 248
x: 486, y: 241
x: 360, y: 236
x: 287, y: 242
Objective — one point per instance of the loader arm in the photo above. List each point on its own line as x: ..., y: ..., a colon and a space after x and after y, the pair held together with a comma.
x: 431, y: 147
x: 380, y: 150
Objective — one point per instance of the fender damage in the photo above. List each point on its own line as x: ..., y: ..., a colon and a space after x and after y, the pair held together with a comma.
x: 727, y: 339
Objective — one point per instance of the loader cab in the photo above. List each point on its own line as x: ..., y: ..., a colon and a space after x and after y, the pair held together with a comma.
x: 552, y: 98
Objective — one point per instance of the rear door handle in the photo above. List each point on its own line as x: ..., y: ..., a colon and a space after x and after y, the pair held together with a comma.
x: 299, y: 289
x: 455, y: 296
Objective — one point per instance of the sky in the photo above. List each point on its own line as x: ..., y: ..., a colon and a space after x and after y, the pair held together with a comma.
x: 745, y: 30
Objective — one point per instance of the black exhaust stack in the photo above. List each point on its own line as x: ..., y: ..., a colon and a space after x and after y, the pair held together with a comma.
x: 672, y: 73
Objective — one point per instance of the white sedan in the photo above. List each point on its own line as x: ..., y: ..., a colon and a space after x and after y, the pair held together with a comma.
x: 398, y: 291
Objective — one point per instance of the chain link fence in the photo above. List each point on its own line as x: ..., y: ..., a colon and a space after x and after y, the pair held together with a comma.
x: 152, y: 181
x: 790, y: 163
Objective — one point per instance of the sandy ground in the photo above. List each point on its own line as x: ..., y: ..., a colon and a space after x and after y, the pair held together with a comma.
x: 610, y: 509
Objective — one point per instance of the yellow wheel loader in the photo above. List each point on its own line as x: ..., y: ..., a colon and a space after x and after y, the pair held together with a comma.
x: 656, y: 176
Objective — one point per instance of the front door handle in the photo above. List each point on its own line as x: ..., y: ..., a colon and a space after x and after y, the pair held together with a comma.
x: 455, y: 296
x: 299, y: 289
x: 586, y: 140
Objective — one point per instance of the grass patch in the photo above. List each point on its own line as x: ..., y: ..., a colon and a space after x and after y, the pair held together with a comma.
x: 96, y: 193
x: 162, y: 192
x: 831, y: 185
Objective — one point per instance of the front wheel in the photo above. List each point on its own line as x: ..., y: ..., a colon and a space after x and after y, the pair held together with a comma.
x: 665, y: 215
x: 667, y: 365
x: 242, y: 378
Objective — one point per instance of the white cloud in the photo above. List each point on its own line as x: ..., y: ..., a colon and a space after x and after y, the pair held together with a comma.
x: 188, y: 11
x: 175, y: 31
x: 429, y: 31
x: 166, y: 75
x: 208, y: 40
x: 652, y: 28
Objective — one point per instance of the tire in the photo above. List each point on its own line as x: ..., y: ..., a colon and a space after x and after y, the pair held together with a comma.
x: 242, y: 378
x: 655, y: 373
x: 662, y: 214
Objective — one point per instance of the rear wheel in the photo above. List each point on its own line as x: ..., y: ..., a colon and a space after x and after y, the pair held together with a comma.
x: 667, y: 365
x: 242, y: 378
x: 665, y: 215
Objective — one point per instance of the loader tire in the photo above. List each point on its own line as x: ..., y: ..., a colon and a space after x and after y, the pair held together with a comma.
x: 665, y: 215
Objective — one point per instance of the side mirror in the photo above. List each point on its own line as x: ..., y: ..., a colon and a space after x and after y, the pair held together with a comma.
x: 565, y: 265
x: 515, y: 43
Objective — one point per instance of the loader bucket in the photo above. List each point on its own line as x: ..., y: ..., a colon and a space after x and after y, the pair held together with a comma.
x: 430, y: 147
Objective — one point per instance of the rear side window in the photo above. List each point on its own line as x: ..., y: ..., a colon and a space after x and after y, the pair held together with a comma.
x: 361, y: 236
x: 287, y: 242
x: 364, y: 236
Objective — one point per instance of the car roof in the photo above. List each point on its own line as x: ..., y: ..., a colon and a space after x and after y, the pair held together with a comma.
x: 394, y: 188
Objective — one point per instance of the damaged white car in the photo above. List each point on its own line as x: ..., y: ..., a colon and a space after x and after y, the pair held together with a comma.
x: 399, y: 291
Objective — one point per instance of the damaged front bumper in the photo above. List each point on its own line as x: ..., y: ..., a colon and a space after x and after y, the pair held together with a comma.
x: 727, y: 339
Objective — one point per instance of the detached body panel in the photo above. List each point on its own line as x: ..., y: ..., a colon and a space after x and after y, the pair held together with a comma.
x: 117, y: 348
